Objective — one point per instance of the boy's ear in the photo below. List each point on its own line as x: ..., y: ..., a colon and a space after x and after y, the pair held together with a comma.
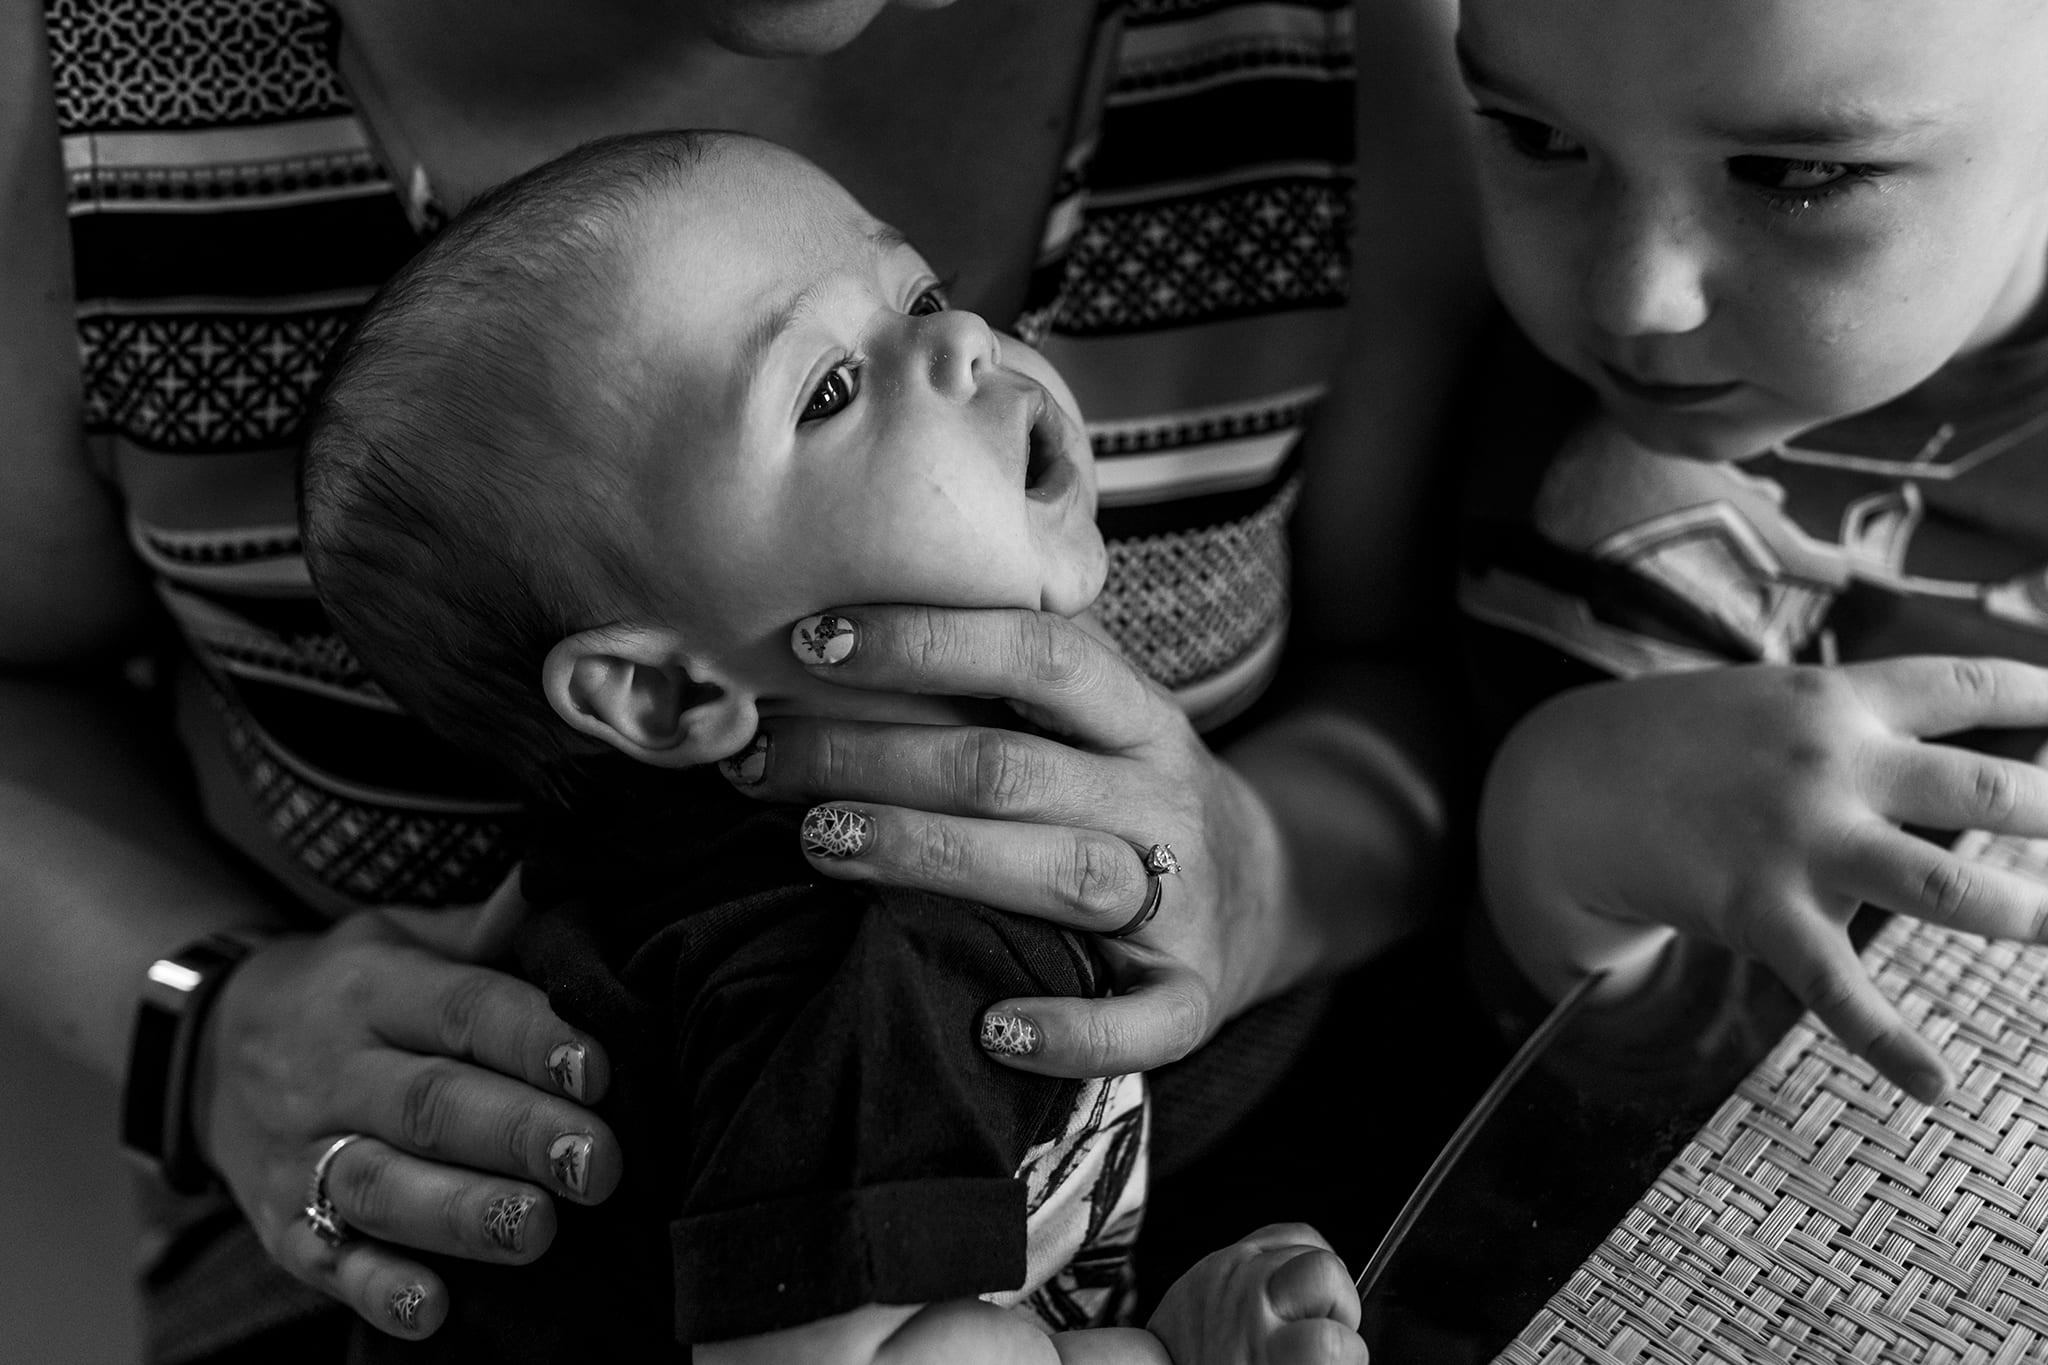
x: 638, y: 689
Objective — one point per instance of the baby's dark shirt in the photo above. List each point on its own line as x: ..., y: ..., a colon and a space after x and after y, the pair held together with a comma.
x: 808, y: 1120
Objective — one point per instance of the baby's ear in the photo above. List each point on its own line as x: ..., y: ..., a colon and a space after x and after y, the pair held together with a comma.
x: 638, y: 689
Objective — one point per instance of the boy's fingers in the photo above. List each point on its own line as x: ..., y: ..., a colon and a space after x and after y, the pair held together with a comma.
x: 1161, y: 1019
x: 1895, y: 870
x: 1813, y: 958
x: 1285, y: 1236
x: 1313, y: 1283
x: 1940, y: 694
x: 1315, y: 1341
x: 1937, y: 786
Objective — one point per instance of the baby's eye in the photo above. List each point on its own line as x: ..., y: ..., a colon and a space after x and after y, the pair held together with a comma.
x: 932, y: 300
x: 1781, y: 173
x: 1533, y: 138
x: 838, y: 388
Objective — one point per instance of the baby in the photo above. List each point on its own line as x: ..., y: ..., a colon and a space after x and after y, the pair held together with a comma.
x: 1795, y: 249
x: 582, y: 467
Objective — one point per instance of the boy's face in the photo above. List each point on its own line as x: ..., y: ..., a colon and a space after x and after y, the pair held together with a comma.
x: 827, y: 432
x: 1740, y: 219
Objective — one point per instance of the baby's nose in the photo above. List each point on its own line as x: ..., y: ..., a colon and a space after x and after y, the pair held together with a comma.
x: 960, y: 348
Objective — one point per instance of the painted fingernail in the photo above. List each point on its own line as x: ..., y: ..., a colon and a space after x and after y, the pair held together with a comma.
x: 569, y: 1157
x: 824, y: 639
x: 746, y: 767
x: 836, y: 832
x: 565, y: 1064
x: 505, y: 1220
x: 1009, y: 1035
x: 405, y: 1305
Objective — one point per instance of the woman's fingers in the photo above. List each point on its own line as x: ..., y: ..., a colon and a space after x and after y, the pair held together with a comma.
x: 1812, y: 956
x: 391, y: 1196
x: 1161, y: 1018
x: 484, y: 1016
x: 1938, y: 786
x: 1081, y: 878
x: 1940, y: 695
x: 950, y: 769
x: 1897, y: 871
x: 392, y: 1292
x: 469, y: 1117
x: 1055, y: 672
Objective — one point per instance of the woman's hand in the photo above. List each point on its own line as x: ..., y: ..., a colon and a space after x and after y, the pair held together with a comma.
x: 1759, y: 806
x: 1043, y: 827
x: 468, y: 1089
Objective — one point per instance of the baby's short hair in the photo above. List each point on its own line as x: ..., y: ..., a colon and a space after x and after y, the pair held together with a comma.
x: 464, y: 502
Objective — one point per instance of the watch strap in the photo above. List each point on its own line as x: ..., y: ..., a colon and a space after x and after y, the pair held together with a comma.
x: 156, y: 1100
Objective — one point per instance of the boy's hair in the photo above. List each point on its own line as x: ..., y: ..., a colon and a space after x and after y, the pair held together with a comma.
x: 464, y: 502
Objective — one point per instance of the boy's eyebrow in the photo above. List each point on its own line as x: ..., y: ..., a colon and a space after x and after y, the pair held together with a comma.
x: 1846, y: 127
x: 1475, y: 71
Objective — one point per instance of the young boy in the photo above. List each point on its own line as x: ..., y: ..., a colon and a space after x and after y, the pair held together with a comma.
x: 1795, y: 249
x: 583, y: 465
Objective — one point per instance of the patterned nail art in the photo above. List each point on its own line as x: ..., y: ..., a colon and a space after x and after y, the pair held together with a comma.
x: 824, y: 639
x: 1009, y: 1035
x: 405, y: 1305
x: 505, y: 1220
x: 746, y: 767
x: 565, y: 1065
x: 569, y: 1156
x: 836, y: 832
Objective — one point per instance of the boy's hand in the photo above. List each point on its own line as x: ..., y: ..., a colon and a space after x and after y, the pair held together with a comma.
x: 1278, y: 1297
x: 1759, y: 806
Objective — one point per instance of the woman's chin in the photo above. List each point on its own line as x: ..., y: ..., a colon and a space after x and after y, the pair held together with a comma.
x: 794, y: 28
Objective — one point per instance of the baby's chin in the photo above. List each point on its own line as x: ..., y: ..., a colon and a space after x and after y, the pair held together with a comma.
x: 1075, y: 583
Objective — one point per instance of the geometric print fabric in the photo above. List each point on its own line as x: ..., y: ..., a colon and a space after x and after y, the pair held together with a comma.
x: 1184, y: 606
x: 145, y: 64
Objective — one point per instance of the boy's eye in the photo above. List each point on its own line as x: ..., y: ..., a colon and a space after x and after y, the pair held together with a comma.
x: 1794, y: 186
x: 1533, y: 138
x: 932, y: 300
x: 838, y: 388
x: 1779, y: 173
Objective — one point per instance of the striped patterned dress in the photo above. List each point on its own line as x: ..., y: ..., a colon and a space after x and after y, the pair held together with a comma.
x: 229, y: 216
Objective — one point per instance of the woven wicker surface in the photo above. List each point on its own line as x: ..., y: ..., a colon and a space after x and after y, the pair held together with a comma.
x: 1822, y: 1216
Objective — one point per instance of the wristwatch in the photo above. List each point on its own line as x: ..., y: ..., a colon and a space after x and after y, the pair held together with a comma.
x: 156, y: 1100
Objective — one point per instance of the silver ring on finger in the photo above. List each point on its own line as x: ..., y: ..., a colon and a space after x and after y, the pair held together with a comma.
x: 1159, y: 864
x: 321, y: 1214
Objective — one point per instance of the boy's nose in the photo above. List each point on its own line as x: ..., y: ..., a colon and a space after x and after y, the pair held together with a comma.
x: 958, y: 349
x: 1647, y: 275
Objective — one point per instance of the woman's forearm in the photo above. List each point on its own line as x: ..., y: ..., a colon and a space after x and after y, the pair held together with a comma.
x: 101, y: 869
x: 1350, y: 778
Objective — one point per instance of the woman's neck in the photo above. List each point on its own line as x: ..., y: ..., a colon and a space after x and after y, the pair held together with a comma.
x: 950, y: 124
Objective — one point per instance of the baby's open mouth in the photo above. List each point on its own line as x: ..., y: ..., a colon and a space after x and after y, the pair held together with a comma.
x: 1048, y: 469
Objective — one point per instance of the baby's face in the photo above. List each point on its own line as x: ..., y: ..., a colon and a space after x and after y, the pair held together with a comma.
x: 827, y: 432
x: 1740, y: 219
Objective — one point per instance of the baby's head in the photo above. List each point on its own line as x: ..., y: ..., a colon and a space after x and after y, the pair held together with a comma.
x: 1741, y: 219
x: 597, y: 449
